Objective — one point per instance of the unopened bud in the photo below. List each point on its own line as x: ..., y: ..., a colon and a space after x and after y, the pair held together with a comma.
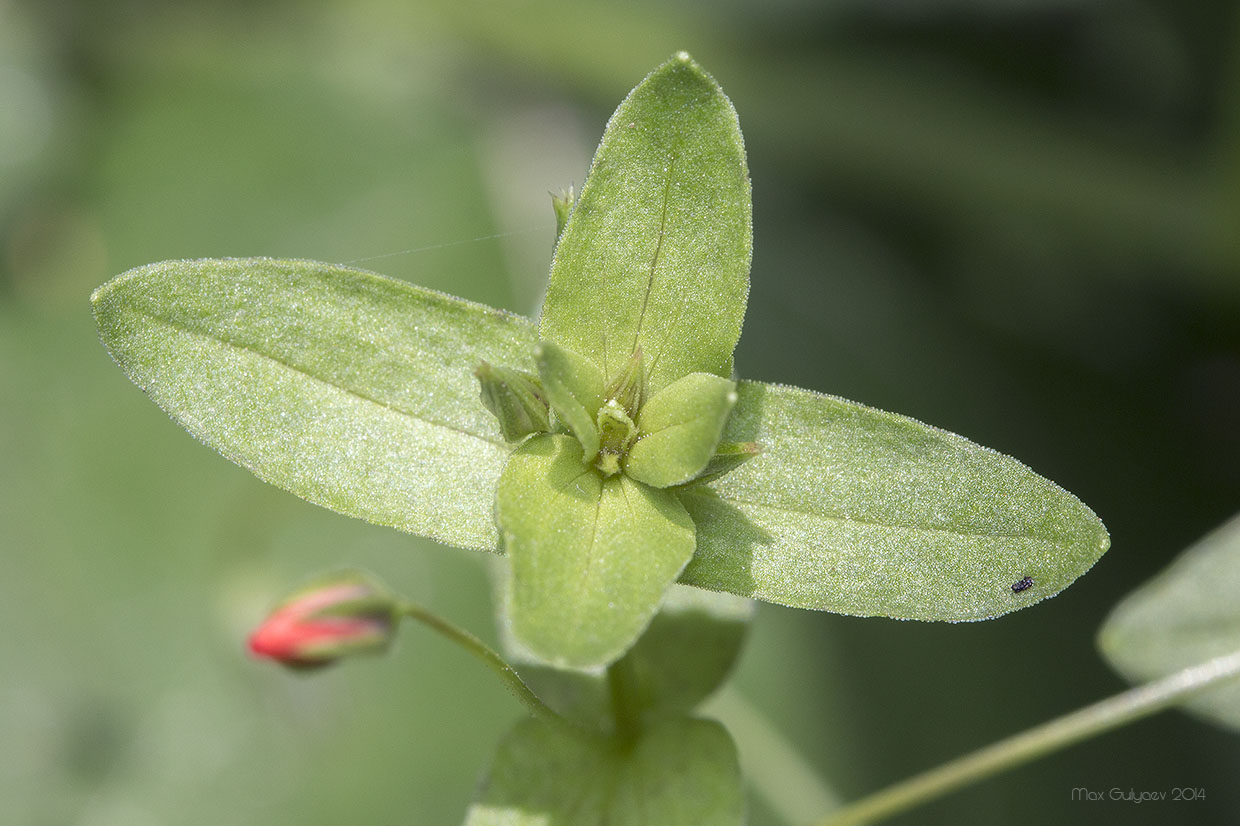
x: 629, y: 387
x: 340, y: 615
x: 562, y: 202
x: 517, y: 400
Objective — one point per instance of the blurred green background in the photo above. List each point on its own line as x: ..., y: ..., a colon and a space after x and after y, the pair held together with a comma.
x: 1015, y: 219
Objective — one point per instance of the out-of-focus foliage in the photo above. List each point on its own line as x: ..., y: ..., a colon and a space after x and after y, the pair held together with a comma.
x: 1185, y: 616
x: 681, y: 772
x: 1015, y: 220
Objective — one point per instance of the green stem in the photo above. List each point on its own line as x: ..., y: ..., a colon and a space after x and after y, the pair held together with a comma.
x: 506, y: 673
x: 625, y: 709
x: 1063, y: 731
x: 770, y: 764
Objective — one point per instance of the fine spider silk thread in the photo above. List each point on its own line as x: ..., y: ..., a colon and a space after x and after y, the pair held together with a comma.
x: 429, y: 247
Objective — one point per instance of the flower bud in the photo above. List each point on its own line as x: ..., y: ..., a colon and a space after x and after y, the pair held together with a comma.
x: 343, y: 614
x: 517, y: 400
x: 562, y: 202
x: 629, y: 387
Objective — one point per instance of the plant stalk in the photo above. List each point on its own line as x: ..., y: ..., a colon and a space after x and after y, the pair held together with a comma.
x: 506, y: 673
x: 1087, y: 722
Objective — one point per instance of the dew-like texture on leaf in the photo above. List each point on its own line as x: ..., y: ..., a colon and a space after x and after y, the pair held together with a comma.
x: 683, y: 772
x: 1186, y: 615
x: 858, y: 511
x: 656, y: 252
x: 351, y: 390
x: 591, y: 557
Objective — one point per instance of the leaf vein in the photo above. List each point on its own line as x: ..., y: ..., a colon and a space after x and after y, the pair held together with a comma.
x: 796, y: 511
x: 192, y: 330
x: 658, y: 250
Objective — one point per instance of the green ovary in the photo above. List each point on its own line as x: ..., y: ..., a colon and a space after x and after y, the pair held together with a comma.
x: 616, y: 435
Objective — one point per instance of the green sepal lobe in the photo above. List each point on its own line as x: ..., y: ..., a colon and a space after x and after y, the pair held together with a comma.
x: 575, y: 389
x: 679, y: 430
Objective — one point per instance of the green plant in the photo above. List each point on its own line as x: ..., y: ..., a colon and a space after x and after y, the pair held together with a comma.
x: 609, y: 454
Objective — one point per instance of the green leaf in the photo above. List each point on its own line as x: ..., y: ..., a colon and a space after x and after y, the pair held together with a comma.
x: 854, y: 510
x: 575, y: 389
x: 728, y: 457
x: 681, y: 773
x: 686, y: 653
x: 679, y: 429
x: 656, y: 253
x: 580, y: 696
x: 1186, y: 615
x: 591, y: 557
x: 349, y: 389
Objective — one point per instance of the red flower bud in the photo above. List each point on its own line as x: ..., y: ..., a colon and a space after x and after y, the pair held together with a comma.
x: 344, y: 614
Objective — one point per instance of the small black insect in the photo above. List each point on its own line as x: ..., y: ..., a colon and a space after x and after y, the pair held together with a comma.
x: 1021, y: 584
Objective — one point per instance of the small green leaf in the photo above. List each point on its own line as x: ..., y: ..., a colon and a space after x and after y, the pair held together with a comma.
x: 656, y: 253
x: 517, y: 400
x: 854, y: 510
x: 591, y: 557
x: 616, y: 430
x: 681, y: 773
x: 349, y: 389
x: 1186, y: 615
x: 686, y: 653
x: 728, y: 457
x: 575, y: 388
x: 679, y: 429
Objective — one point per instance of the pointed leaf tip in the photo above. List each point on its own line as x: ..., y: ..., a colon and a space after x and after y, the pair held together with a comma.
x: 656, y: 252
x: 315, y: 377
x: 859, y: 511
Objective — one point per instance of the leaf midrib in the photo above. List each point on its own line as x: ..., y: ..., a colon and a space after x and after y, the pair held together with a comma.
x: 658, y: 249
x: 713, y: 494
x: 211, y: 336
